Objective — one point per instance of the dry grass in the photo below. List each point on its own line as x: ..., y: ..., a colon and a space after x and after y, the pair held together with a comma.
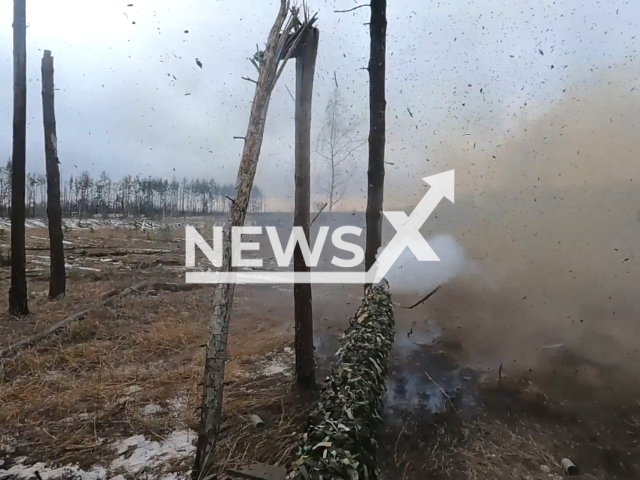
x: 496, y: 450
x: 69, y: 396
x: 480, y: 448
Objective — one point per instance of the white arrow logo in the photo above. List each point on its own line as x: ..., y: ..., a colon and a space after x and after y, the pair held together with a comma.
x: 408, y: 227
x: 407, y: 235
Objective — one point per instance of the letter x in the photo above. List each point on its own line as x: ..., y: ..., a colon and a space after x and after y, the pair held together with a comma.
x: 408, y: 235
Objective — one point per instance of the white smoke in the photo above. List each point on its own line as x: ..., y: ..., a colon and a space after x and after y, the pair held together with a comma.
x: 408, y: 275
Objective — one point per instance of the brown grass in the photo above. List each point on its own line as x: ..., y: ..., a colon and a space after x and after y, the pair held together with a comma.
x: 67, y: 397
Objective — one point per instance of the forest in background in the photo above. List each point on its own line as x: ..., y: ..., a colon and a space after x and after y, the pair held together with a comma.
x: 84, y: 195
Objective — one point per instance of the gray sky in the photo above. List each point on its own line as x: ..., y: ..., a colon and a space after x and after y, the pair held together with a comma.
x: 119, y: 109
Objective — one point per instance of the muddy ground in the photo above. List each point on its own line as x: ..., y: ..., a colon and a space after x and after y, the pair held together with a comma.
x: 500, y: 375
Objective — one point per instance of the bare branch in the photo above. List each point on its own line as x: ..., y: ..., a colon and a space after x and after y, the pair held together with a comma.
x: 339, y: 198
x: 318, y: 214
x: 290, y: 94
x: 322, y: 155
x: 339, y: 138
x: 250, y: 80
x: 352, y: 9
x: 424, y: 299
x: 348, y: 154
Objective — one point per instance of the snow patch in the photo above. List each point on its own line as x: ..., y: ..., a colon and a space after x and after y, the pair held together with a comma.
x: 151, y: 409
x: 20, y: 471
x: 149, y: 454
x: 136, y: 456
x: 275, y: 365
x: 133, y: 389
x: 274, y: 369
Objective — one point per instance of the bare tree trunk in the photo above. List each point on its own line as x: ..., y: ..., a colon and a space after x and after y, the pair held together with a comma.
x: 377, y: 107
x: 213, y: 389
x: 58, y: 280
x: 333, y: 182
x: 332, y: 151
x: 18, y: 292
x: 302, y: 296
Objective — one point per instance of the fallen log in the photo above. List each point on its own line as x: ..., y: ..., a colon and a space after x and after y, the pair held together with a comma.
x: 70, y: 248
x: 122, y: 253
x: 84, y: 251
x: 29, y: 274
x: 106, y: 299
x: 339, y: 442
x: 176, y: 287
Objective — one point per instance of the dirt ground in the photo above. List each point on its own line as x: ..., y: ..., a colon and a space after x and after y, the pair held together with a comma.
x: 457, y: 407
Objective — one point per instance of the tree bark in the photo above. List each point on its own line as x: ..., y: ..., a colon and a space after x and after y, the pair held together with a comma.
x: 302, y: 296
x: 377, y: 108
x: 58, y: 278
x: 18, y: 305
x: 213, y: 390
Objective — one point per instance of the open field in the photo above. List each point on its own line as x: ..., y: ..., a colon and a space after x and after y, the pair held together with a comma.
x: 484, y: 384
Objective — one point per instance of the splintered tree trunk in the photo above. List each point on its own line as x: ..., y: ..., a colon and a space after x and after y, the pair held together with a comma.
x: 18, y: 292
x: 305, y: 69
x: 377, y: 107
x: 213, y: 389
x: 58, y: 280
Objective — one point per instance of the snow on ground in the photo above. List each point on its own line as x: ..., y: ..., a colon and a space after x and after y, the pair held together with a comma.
x: 275, y: 363
x: 117, y: 223
x: 138, y: 457
x: 88, y: 223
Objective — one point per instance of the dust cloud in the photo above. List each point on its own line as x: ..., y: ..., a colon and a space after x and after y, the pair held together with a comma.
x: 409, y: 276
x: 553, y: 224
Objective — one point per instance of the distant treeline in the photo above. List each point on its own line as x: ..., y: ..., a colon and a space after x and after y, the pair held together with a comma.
x: 84, y: 195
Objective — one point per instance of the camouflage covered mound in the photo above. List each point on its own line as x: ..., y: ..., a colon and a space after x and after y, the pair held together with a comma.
x: 340, y: 443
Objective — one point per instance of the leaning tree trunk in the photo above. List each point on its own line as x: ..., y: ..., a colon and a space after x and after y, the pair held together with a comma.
x: 277, y: 48
x: 18, y: 292
x: 57, y: 280
x: 377, y: 107
x: 303, y: 311
x: 340, y: 439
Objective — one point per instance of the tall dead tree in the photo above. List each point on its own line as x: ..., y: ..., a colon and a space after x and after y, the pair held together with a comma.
x: 280, y: 45
x: 57, y: 280
x: 306, y: 55
x: 337, y: 144
x: 18, y: 305
x: 377, y: 110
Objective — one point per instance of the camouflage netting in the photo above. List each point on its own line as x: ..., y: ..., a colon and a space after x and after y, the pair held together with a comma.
x: 340, y: 443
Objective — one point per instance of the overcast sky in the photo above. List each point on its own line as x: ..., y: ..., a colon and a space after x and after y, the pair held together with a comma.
x: 470, y: 72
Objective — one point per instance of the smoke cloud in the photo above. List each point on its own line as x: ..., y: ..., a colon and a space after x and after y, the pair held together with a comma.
x: 408, y: 275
